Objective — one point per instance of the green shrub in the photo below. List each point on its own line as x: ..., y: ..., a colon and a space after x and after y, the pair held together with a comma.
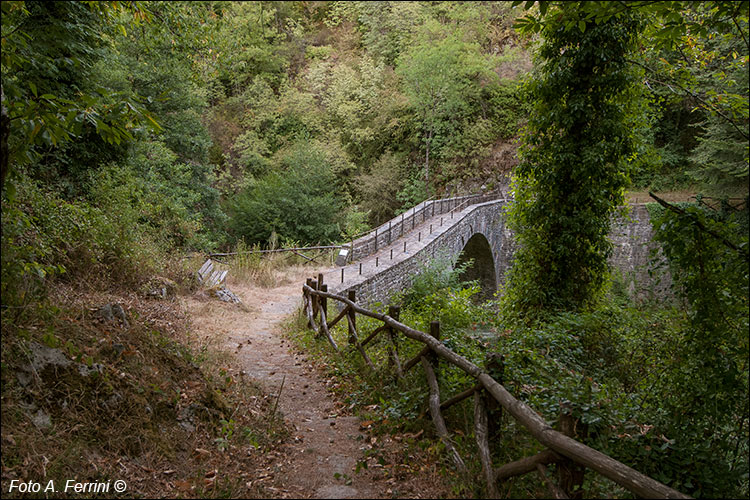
x: 437, y: 276
x: 44, y: 235
x: 300, y: 201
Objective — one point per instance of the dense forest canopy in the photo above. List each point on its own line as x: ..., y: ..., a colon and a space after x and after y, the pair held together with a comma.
x: 133, y: 132
x: 395, y: 101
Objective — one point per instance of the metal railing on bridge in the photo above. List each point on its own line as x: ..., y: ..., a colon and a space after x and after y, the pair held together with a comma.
x: 367, y: 243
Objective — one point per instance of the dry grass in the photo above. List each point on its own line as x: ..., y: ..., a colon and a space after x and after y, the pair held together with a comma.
x: 642, y: 196
x: 267, y: 269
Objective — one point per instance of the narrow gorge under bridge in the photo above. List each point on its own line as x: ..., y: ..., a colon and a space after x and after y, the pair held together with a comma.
x: 385, y: 260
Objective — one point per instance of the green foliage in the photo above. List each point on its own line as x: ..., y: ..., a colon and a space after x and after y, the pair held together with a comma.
x: 413, y: 192
x: 49, y: 51
x: 441, y: 78
x: 300, y: 201
x: 709, y: 398
x: 45, y: 236
x: 721, y: 158
x: 386, y: 27
x: 572, y: 170
x: 379, y: 189
x: 355, y: 223
x: 615, y: 370
x: 436, y: 278
x: 173, y: 198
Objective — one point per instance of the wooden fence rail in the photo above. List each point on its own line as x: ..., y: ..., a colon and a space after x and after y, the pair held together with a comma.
x: 570, y: 455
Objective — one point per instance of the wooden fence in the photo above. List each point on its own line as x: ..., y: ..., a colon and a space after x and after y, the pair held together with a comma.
x: 569, y: 455
x: 275, y: 251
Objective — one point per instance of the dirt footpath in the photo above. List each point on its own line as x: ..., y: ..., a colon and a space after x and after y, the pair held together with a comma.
x: 319, y: 460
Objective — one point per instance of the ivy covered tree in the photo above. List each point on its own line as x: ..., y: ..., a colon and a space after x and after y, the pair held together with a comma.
x: 574, y: 159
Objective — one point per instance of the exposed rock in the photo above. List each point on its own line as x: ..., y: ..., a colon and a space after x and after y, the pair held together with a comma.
x: 186, y: 416
x: 226, y: 295
x: 109, y: 313
x: 44, y: 358
x: 161, y: 288
x: 42, y: 420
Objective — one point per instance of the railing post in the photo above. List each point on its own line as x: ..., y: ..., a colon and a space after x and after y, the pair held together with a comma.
x: 353, y: 316
x: 569, y: 473
x: 389, y: 232
x: 324, y: 300
x: 402, y: 223
x: 376, y: 239
x: 432, y: 356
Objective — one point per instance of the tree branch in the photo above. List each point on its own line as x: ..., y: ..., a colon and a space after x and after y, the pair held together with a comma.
x: 698, y: 223
x: 695, y: 96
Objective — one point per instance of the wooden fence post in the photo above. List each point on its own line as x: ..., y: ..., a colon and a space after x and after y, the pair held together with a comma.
x: 429, y: 363
x: 394, y: 312
x: 495, y: 365
x: 324, y: 300
x: 569, y: 473
x: 308, y: 282
x: 353, y: 317
x: 321, y: 300
x: 481, y: 434
x: 314, y: 286
x: 304, y: 301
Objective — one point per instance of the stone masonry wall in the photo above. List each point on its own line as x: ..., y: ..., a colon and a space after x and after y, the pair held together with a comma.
x: 631, y: 238
x: 384, y: 234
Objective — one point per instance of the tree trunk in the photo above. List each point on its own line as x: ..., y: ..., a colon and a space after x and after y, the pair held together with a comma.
x: 4, y: 134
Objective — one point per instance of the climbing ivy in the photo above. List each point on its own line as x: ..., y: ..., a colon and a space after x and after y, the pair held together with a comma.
x: 573, y: 159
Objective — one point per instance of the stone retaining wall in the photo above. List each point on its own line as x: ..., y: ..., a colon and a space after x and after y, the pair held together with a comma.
x: 631, y: 237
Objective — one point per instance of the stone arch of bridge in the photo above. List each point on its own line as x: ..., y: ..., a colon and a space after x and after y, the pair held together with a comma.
x: 482, y: 267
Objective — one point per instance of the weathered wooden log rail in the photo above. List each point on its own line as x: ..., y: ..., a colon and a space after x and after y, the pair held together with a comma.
x: 569, y: 455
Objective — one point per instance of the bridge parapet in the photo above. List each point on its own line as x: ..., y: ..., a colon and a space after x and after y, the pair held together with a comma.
x: 388, y: 232
x: 378, y: 272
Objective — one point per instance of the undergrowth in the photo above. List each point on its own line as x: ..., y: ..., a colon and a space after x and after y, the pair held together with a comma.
x: 147, y: 402
x: 610, y: 368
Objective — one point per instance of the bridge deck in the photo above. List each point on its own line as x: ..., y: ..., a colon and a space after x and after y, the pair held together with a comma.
x: 415, y: 239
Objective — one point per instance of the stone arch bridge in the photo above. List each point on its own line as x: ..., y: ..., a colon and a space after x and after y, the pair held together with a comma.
x: 385, y: 260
